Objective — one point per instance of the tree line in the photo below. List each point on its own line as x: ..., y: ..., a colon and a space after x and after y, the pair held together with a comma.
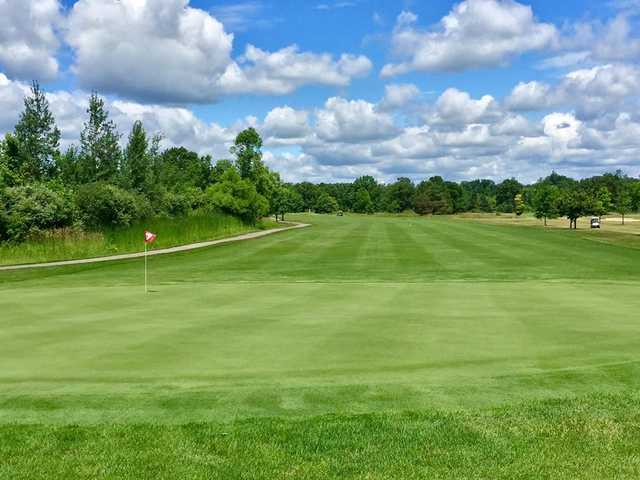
x: 550, y: 197
x: 97, y: 183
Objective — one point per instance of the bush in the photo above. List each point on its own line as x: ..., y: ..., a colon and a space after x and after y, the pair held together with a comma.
x: 238, y: 197
x: 326, y: 204
x: 104, y: 205
x: 176, y: 204
x: 29, y: 209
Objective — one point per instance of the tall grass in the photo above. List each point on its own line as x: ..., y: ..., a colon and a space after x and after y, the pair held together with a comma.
x: 70, y: 243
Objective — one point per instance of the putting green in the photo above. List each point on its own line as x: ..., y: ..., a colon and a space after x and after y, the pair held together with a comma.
x: 355, y: 314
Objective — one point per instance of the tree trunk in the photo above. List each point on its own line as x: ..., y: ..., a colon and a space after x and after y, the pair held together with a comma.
x: 623, y: 218
x: 282, y: 216
x: 545, y: 221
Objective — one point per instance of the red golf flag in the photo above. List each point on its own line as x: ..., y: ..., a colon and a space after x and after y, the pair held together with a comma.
x: 149, y: 237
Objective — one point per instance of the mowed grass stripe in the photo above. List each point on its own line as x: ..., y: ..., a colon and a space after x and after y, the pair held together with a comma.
x: 356, y: 314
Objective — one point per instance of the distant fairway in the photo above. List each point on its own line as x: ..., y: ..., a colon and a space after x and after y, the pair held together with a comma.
x: 355, y: 315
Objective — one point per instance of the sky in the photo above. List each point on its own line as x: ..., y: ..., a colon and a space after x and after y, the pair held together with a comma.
x: 343, y: 88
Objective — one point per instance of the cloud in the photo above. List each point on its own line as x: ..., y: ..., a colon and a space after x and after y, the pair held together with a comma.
x: 564, y: 60
x: 457, y: 107
x: 334, y: 5
x: 397, y: 95
x: 153, y: 50
x: 164, y: 51
x: 591, y: 91
x: 285, y: 70
x: 529, y: 96
x: 28, y: 41
x: 352, y: 121
x: 346, y: 138
x: 475, y: 34
x: 285, y: 123
x: 613, y: 41
x: 242, y: 16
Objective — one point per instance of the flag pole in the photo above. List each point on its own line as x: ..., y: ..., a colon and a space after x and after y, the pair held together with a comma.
x: 145, y: 267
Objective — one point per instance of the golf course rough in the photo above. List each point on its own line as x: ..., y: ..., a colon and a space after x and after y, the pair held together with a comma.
x: 360, y: 347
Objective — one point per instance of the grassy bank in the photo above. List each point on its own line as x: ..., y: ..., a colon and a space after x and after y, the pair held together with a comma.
x: 69, y: 244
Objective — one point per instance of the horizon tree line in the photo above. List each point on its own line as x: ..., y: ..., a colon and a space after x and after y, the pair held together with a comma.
x: 98, y: 183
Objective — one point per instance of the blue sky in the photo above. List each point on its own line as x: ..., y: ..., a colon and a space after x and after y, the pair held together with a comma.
x: 341, y: 88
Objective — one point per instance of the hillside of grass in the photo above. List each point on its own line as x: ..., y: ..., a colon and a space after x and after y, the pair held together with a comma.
x: 69, y: 244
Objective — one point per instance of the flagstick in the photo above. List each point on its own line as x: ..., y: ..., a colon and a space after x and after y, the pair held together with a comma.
x: 145, y: 267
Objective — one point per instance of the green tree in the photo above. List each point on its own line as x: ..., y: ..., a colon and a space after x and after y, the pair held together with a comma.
x: 9, y: 161
x: 28, y: 210
x: 285, y: 200
x: 373, y: 188
x: 137, y: 165
x: 218, y: 170
x: 104, y: 205
x: 246, y: 148
x: 37, y: 136
x: 634, y: 192
x: 519, y: 204
x: 237, y: 196
x: 68, y: 167
x: 309, y: 193
x: 545, y: 201
x: 573, y: 204
x: 100, y: 154
x: 399, y: 195
x: 362, y: 202
x: 325, y: 203
x: 432, y: 197
x: 506, y: 193
x: 601, y: 202
x: 623, y: 201
x: 178, y: 169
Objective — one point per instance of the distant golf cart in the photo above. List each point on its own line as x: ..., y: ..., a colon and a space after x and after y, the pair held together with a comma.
x: 340, y: 214
x: 595, y: 222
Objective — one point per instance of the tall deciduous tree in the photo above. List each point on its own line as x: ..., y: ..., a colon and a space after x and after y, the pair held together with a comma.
x: 399, y: 195
x: 137, y: 164
x: 545, y: 201
x: 601, y: 202
x: 573, y: 204
x: 100, y: 154
x: 246, y: 148
x: 623, y: 201
x: 506, y: 193
x: 37, y: 136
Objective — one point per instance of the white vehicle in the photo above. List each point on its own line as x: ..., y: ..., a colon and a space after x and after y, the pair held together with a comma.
x: 595, y: 222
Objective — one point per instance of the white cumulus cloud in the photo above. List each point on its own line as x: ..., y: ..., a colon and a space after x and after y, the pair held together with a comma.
x: 28, y: 40
x: 476, y: 33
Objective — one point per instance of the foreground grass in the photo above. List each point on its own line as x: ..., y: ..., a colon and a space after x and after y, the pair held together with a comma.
x: 362, y: 347
x: 587, y: 438
x: 70, y: 244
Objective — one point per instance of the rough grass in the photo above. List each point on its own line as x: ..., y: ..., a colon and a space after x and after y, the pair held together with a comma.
x: 66, y: 244
x: 362, y: 347
x: 609, y: 223
x: 593, y: 437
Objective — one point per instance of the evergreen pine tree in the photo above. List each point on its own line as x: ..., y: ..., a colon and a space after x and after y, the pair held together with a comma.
x: 100, y: 154
x: 37, y: 136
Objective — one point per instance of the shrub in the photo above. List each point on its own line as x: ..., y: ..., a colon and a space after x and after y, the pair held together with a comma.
x: 29, y: 209
x: 236, y: 196
x: 104, y: 205
x: 326, y: 204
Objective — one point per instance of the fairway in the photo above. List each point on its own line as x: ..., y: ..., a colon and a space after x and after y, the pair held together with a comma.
x: 354, y: 315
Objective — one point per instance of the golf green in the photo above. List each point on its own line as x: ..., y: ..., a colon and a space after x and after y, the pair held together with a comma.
x: 355, y: 314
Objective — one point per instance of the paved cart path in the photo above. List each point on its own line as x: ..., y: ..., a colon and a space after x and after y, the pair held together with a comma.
x: 162, y: 251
